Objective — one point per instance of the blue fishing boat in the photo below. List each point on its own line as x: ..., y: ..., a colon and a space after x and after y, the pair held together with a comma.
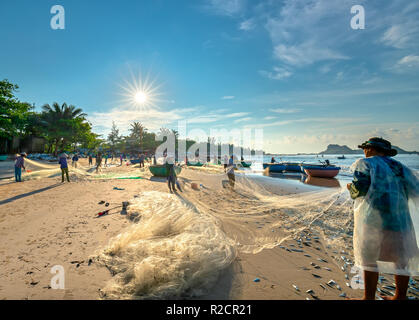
x: 292, y: 166
x: 274, y: 167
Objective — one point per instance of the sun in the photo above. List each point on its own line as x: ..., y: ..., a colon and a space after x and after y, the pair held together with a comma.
x: 140, y: 97
x: 140, y: 92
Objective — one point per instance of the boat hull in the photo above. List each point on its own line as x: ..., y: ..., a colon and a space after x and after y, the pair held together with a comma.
x: 198, y: 164
x: 3, y: 157
x: 274, y: 167
x: 325, y: 172
x: 245, y: 164
x: 161, y: 170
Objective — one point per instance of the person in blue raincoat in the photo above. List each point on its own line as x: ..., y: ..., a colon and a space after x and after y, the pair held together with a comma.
x: 386, y: 217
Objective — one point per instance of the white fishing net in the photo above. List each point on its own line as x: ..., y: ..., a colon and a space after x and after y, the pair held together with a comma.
x: 174, y: 251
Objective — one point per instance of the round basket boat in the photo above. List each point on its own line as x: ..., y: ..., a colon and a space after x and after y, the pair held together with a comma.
x: 161, y: 170
x: 246, y: 164
x: 197, y: 164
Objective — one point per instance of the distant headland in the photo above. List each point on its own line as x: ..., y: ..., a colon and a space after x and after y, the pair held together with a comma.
x: 338, y: 149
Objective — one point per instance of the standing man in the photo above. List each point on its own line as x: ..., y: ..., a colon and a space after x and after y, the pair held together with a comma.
x: 90, y: 159
x: 225, y: 163
x: 230, y: 172
x: 64, y: 167
x: 386, y: 212
x: 98, y: 161
x: 171, y: 178
x: 19, y: 164
x: 75, y: 160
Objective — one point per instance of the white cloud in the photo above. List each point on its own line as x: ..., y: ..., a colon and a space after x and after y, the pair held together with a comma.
x: 277, y: 73
x: 247, y: 25
x: 226, y: 7
x: 287, y: 111
x: 242, y: 120
x: 228, y: 97
x: 407, y: 64
x: 305, y: 54
x: 409, y: 61
x: 269, y: 118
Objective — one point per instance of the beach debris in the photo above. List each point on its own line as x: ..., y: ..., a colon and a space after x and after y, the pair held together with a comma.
x: 309, y: 291
x: 307, y: 255
x: 342, y: 295
x: 316, y: 275
x: 326, y: 268
x: 389, y: 287
x: 34, y: 283
x: 346, y: 277
x: 348, y: 285
x: 324, y: 288
x: 297, y: 250
x: 107, y: 204
x: 378, y: 297
x: 331, y: 283
x: 194, y: 186
x: 338, y: 287
x: 116, y: 188
x: 101, y: 202
x: 307, y: 298
x: 295, y: 287
x: 90, y: 262
x: 256, y: 280
x: 322, y: 260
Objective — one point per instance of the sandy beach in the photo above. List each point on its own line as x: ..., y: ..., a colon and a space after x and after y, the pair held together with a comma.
x: 214, y: 243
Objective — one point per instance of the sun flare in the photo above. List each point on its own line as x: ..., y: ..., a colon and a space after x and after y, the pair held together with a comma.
x: 140, y: 92
x: 140, y: 97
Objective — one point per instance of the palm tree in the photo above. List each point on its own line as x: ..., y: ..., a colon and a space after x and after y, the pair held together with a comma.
x: 58, y: 122
x: 138, y: 132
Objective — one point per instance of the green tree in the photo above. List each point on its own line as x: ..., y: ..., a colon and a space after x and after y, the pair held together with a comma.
x: 13, y: 113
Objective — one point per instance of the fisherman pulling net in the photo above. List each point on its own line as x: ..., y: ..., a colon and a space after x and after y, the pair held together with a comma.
x: 386, y: 217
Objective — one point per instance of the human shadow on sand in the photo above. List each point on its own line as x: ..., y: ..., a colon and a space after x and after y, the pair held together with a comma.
x: 29, y: 194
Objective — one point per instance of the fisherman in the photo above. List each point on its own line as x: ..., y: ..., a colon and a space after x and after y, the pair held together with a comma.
x: 230, y: 172
x: 19, y: 164
x: 225, y: 163
x: 74, y: 160
x: 98, y: 161
x: 171, y: 177
x: 90, y: 159
x: 385, y: 239
x: 64, y: 166
x: 142, y: 157
x: 106, y: 159
x: 120, y: 159
x: 273, y: 160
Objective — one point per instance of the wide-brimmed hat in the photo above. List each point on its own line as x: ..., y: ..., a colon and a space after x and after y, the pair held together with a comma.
x: 24, y: 154
x: 379, y: 144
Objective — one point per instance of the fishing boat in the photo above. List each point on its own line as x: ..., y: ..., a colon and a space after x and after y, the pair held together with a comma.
x: 246, y: 164
x: 342, y: 157
x: 135, y: 161
x: 292, y: 166
x: 321, y: 171
x: 161, y: 170
x: 274, y: 167
x: 3, y: 157
x: 196, y: 164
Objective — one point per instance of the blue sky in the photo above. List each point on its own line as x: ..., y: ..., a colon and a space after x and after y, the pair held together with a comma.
x: 295, y: 69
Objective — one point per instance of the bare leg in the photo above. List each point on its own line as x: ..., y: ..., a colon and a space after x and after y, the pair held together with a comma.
x: 402, y: 284
x: 370, y: 282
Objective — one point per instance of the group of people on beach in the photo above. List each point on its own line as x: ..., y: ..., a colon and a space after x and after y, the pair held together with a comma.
x: 386, y: 211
